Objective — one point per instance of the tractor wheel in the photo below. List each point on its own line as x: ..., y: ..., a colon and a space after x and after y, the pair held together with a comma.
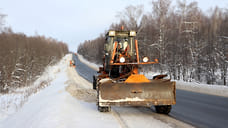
x: 94, y: 82
x: 104, y: 108
x: 163, y: 109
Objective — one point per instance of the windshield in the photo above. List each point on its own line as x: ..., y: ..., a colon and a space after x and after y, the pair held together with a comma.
x: 125, y: 46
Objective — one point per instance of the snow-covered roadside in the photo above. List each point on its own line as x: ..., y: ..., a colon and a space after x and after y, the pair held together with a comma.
x: 90, y: 64
x: 55, y: 107
x: 217, y: 90
x: 11, y: 102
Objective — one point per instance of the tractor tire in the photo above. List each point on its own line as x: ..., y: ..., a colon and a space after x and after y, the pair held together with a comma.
x: 163, y: 109
x: 104, y: 108
x: 94, y: 82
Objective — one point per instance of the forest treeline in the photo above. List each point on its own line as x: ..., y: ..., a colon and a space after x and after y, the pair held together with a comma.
x: 191, y: 45
x: 24, y: 58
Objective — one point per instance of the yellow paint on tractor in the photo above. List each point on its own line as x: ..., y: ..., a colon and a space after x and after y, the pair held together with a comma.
x: 137, y: 78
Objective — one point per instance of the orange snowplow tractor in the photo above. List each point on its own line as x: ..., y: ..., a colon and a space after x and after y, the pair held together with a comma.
x: 122, y: 28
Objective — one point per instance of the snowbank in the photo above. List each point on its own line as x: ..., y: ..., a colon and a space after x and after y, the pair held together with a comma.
x: 54, y: 107
x: 218, y: 90
x: 13, y: 101
x: 90, y: 64
x: 79, y: 87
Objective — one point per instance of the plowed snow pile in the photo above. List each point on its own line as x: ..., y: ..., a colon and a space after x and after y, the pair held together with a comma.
x: 79, y: 87
x: 70, y: 102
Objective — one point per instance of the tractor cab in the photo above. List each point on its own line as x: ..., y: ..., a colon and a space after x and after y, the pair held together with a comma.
x: 119, y: 51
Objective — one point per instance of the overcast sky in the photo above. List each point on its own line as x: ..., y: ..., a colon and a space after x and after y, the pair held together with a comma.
x: 73, y: 21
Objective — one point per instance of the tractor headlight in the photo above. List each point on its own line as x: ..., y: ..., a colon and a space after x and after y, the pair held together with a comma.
x: 122, y: 59
x: 132, y: 33
x: 111, y: 33
x: 145, y: 59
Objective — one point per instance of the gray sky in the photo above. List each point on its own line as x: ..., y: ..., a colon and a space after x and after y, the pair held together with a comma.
x: 73, y: 21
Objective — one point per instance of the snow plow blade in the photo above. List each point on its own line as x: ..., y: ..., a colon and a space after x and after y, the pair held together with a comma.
x: 155, y: 92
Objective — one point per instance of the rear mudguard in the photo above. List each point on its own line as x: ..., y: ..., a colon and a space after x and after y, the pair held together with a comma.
x: 156, y: 92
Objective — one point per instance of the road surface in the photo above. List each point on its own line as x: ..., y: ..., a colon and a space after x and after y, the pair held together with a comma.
x: 199, y: 110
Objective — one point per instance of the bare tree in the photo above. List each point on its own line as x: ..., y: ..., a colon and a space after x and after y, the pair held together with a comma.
x: 160, y: 10
x: 132, y: 15
x: 2, y: 20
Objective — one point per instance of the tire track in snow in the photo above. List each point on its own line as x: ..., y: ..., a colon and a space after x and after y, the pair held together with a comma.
x: 118, y: 118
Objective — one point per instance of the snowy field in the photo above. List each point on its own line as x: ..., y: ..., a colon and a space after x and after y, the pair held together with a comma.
x: 218, y: 90
x: 70, y: 102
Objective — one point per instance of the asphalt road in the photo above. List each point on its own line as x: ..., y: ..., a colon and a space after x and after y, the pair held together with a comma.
x: 199, y: 110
